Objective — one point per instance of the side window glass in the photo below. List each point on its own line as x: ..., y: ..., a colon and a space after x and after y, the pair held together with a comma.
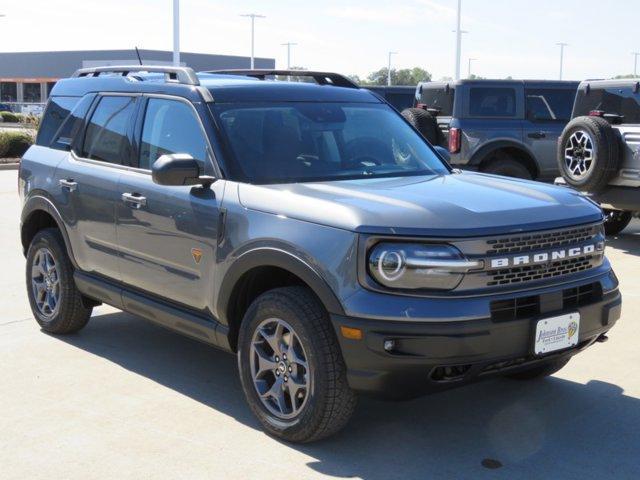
x: 56, y: 113
x: 549, y: 104
x: 492, y: 102
x: 170, y: 126
x: 106, y: 137
x: 66, y: 134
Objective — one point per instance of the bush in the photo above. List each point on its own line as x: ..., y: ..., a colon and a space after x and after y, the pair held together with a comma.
x: 11, y: 117
x: 14, y: 144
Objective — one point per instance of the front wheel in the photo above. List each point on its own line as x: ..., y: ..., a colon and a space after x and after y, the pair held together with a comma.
x: 615, y: 221
x: 291, y: 367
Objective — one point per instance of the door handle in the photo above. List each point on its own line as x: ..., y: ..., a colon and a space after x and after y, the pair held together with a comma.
x: 135, y: 200
x: 68, y: 184
x: 537, y: 135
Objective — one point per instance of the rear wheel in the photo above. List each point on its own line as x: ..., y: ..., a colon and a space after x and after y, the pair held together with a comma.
x: 540, y: 371
x: 55, y: 301
x: 616, y: 221
x: 291, y: 367
x: 507, y: 167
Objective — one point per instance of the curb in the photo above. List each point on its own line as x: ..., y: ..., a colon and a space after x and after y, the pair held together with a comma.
x: 9, y: 166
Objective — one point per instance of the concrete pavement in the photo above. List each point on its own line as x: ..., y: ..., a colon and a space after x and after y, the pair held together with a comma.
x: 124, y: 399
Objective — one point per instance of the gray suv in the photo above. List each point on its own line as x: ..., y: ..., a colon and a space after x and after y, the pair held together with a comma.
x: 504, y: 127
x: 599, y: 150
x: 308, y: 229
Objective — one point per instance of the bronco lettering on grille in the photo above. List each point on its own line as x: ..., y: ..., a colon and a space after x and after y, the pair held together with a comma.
x: 544, y: 257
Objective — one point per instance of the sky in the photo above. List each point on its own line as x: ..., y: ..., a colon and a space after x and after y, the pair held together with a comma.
x: 516, y: 38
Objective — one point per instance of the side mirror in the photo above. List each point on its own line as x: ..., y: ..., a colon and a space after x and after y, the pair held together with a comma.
x: 443, y: 152
x: 178, y: 169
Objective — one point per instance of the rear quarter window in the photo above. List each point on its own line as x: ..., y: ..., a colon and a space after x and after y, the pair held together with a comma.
x: 499, y: 102
x: 54, y: 116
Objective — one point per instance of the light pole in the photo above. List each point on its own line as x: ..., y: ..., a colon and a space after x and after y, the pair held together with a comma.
x: 458, y: 39
x: 389, y: 68
x: 253, y: 17
x: 562, y: 45
x: 635, y: 62
x: 288, y: 45
x: 176, y: 33
x: 469, y: 70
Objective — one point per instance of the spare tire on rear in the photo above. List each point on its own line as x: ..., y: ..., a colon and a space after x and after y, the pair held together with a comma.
x: 588, y: 153
x: 424, y: 122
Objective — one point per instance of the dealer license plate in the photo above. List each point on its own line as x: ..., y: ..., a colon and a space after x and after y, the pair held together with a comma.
x: 556, y: 333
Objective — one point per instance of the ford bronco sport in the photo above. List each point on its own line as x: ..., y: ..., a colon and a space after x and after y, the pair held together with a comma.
x: 310, y: 230
x: 599, y: 152
x: 504, y: 127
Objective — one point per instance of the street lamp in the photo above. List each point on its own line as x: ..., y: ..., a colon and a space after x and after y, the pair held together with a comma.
x: 288, y: 45
x: 469, y: 71
x: 635, y: 62
x: 389, y: 68
x: 253, y: 17
x: 176, y: 33
x: 561, y: 45
x: 458, y: 38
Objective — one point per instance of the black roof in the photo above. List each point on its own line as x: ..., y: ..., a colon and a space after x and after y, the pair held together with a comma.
x: 454, y: 83
x: 219, y: 87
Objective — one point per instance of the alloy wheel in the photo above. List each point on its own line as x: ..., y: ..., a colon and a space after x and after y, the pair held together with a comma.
x: 45, y: 282
x: 579, y: 155
x: 279, y: 368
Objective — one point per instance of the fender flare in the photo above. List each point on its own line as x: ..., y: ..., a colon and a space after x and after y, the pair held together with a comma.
x: 275, y: 257
x: 481, y: 153
x: 36, y: 203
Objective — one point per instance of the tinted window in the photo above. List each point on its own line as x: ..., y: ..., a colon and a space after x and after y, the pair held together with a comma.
x: 289, y: 142
x: 170, y: 126
x: 492, y: 102
x: 438, y: 100
x: 106, y: 138
x: 618, y: 101
x: 66, y: 135
x: 57, y: 112
x: 549, y: 104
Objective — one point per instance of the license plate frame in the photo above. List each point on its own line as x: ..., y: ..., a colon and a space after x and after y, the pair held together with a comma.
x: 552, y: 334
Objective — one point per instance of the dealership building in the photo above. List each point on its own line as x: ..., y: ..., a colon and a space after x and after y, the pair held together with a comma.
x: 27, y: 77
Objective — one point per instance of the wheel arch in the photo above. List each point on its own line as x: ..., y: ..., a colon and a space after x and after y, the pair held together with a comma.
x: 518, y: 151
x: 260, y: 270
x: 38, y: 213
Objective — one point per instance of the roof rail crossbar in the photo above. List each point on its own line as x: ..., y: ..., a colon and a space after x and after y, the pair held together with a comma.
x: 183, y: 75
x: 321, y: 78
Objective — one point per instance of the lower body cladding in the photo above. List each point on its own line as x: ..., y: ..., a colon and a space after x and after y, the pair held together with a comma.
x: 404, y: 359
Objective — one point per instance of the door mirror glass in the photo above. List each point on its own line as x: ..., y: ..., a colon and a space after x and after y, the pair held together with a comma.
x: 178, y: 169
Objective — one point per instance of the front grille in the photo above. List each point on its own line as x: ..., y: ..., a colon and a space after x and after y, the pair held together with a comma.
x: 544, y: 240
x: 539, y: 272
x: 530, y: 307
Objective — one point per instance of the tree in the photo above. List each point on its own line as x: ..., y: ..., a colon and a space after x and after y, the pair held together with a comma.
x: 404, y: 76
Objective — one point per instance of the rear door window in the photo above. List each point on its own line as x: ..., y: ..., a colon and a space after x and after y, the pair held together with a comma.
x: 170, y: 126
x: 548, y: 104
x: 492, y: 102
x: 56, y: 113
x: 106, y: 138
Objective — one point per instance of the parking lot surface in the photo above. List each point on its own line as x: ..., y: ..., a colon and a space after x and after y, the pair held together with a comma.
x: 126, y: 399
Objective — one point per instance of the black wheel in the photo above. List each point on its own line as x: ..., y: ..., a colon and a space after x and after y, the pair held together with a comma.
x: 56, y: 303
x: 507, y: 167
x: 291, y: 367
x: 615, y: 221
x: 424, y: 122
x: 588, y: 153
x: 540, y: 371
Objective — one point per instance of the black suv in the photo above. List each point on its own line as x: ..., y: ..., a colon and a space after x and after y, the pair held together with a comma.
x: 505, y: 127
x: 599, y: 150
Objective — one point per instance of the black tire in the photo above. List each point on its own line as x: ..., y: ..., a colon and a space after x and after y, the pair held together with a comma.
x: 600, y: 165
x: 71, y: 313
x: 539, y: 371
x: 507, y: 167
x: 330, y: 402
x: 616, y: 221
x: 424, y: 122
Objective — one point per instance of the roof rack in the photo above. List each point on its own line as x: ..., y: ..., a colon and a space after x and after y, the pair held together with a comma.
x: 321, y: 78
x: 184, y: 75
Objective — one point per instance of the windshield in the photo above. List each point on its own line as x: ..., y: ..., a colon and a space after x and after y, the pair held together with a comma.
x: 306, y: 141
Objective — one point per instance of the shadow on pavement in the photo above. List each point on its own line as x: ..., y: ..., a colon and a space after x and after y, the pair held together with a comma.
x: 551, y: 428
x: 628, y: 241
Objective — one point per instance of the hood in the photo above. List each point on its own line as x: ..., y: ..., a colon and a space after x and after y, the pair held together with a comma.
x: 456, y: 205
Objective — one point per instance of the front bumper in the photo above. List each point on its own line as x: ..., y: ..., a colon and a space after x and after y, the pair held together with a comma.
x: 431, y: 354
